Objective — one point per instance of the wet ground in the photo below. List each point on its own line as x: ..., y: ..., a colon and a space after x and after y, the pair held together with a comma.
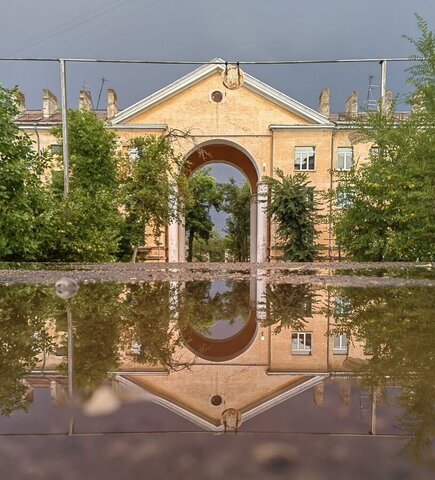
x: 394, y: 273
x: 306, y: 371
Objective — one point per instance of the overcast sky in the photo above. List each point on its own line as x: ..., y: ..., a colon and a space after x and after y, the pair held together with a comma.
x: 234, y: 30
x: 200, y: 30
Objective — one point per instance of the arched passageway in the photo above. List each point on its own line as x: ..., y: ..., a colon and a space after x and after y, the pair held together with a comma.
x: 220, y: 151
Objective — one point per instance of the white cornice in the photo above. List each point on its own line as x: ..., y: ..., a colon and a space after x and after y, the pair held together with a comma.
x: 138, y: 126
x: 301, y: 127
x: 45, y: 126
x: 170, y: 405
x: 167, y: 92
x: 251, y: 83
x: 281, y: 397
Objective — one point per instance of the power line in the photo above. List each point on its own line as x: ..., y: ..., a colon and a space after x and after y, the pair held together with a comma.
x: 213, y: 62
x: 68, y: 25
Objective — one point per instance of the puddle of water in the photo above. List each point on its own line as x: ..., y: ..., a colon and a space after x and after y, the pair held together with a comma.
x: 194, y: 356
x: 423, y: 271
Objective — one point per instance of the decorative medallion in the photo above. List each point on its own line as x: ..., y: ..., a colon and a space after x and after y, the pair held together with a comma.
x: 233, y: 77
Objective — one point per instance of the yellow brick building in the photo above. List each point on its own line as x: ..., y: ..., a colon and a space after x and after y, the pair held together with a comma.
x: 255, y: 128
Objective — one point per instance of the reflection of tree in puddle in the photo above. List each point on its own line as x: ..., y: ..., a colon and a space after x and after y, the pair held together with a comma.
x: 108, y: 320
x: 150, y: 318
x: 289, y: 306
x: 97, y: 324
x: 24, y: 334
x: 398, y: 328
x: 205, y: 305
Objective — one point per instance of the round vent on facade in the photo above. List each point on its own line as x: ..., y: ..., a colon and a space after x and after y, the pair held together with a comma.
x: 217, y: 96
x: 216, y: 400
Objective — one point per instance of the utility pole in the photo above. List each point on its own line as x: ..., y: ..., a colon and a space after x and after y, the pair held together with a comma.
x: 383, y: 64
x: 65, y: 149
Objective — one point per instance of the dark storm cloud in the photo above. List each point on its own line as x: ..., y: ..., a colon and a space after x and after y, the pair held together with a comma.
x: 202, y: 30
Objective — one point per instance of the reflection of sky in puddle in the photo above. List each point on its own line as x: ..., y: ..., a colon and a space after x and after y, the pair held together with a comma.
x: 223, y: 328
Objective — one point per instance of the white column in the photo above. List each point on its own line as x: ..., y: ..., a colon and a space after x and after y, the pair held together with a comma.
x: 173, y: 234
x: 253, y: 230
x: 253, y: 292
x: 261, y: 222
x: 182, y: 241
x: 261, y: 295
x: 173, y: 300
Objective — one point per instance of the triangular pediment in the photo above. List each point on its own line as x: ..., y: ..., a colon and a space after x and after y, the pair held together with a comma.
x: 214, y: 67
x: 187, y: 402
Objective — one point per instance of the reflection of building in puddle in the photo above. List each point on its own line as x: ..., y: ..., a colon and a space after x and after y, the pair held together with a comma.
x: 227, y: 381
x: 218, y: 397
x: 229, y: 371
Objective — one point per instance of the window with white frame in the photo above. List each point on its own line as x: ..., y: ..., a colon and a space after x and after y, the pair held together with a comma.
x: 301, y: 343
x: 340, y: 344
x: 305, y: 158
x: 345, y: 158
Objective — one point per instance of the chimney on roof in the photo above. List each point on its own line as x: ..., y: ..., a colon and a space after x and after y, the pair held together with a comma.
x: 352, y: 103
x: 324, y: 103
x: 49, y: 103
x: 20, y: 101
x: 112, y: 103
x: 85, y: 101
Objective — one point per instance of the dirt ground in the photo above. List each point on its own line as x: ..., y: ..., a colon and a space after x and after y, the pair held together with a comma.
x: 334, y: 273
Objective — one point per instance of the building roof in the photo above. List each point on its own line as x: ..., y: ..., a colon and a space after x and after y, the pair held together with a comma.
x: 217, y: 65
x: 32, y: 117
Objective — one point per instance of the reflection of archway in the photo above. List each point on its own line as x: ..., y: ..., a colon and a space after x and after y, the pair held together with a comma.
x: 220, y: 350
x: 222, y: 151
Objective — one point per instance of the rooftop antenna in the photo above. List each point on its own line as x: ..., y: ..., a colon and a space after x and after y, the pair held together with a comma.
x: 101, y: 89
x: 371, y: 101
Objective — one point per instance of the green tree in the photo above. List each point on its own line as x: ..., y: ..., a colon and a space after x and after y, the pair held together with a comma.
x: 237, y: 204
x: 294, y: 209
x: 24, y: 338
x: 24, y: 199
x: 211, y: 250
x: 202, y: 194
x: 152, y: 179
x: 391, y: 197
x: 87, y: 225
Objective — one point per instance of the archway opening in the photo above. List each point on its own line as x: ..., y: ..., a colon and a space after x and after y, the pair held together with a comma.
x: 217, y: 216
x: 234, y: 237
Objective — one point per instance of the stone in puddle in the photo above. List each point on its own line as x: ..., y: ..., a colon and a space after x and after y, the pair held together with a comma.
x: 102, y: 402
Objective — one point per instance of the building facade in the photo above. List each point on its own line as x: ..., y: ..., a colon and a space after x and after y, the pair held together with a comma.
x: 255, y: 128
